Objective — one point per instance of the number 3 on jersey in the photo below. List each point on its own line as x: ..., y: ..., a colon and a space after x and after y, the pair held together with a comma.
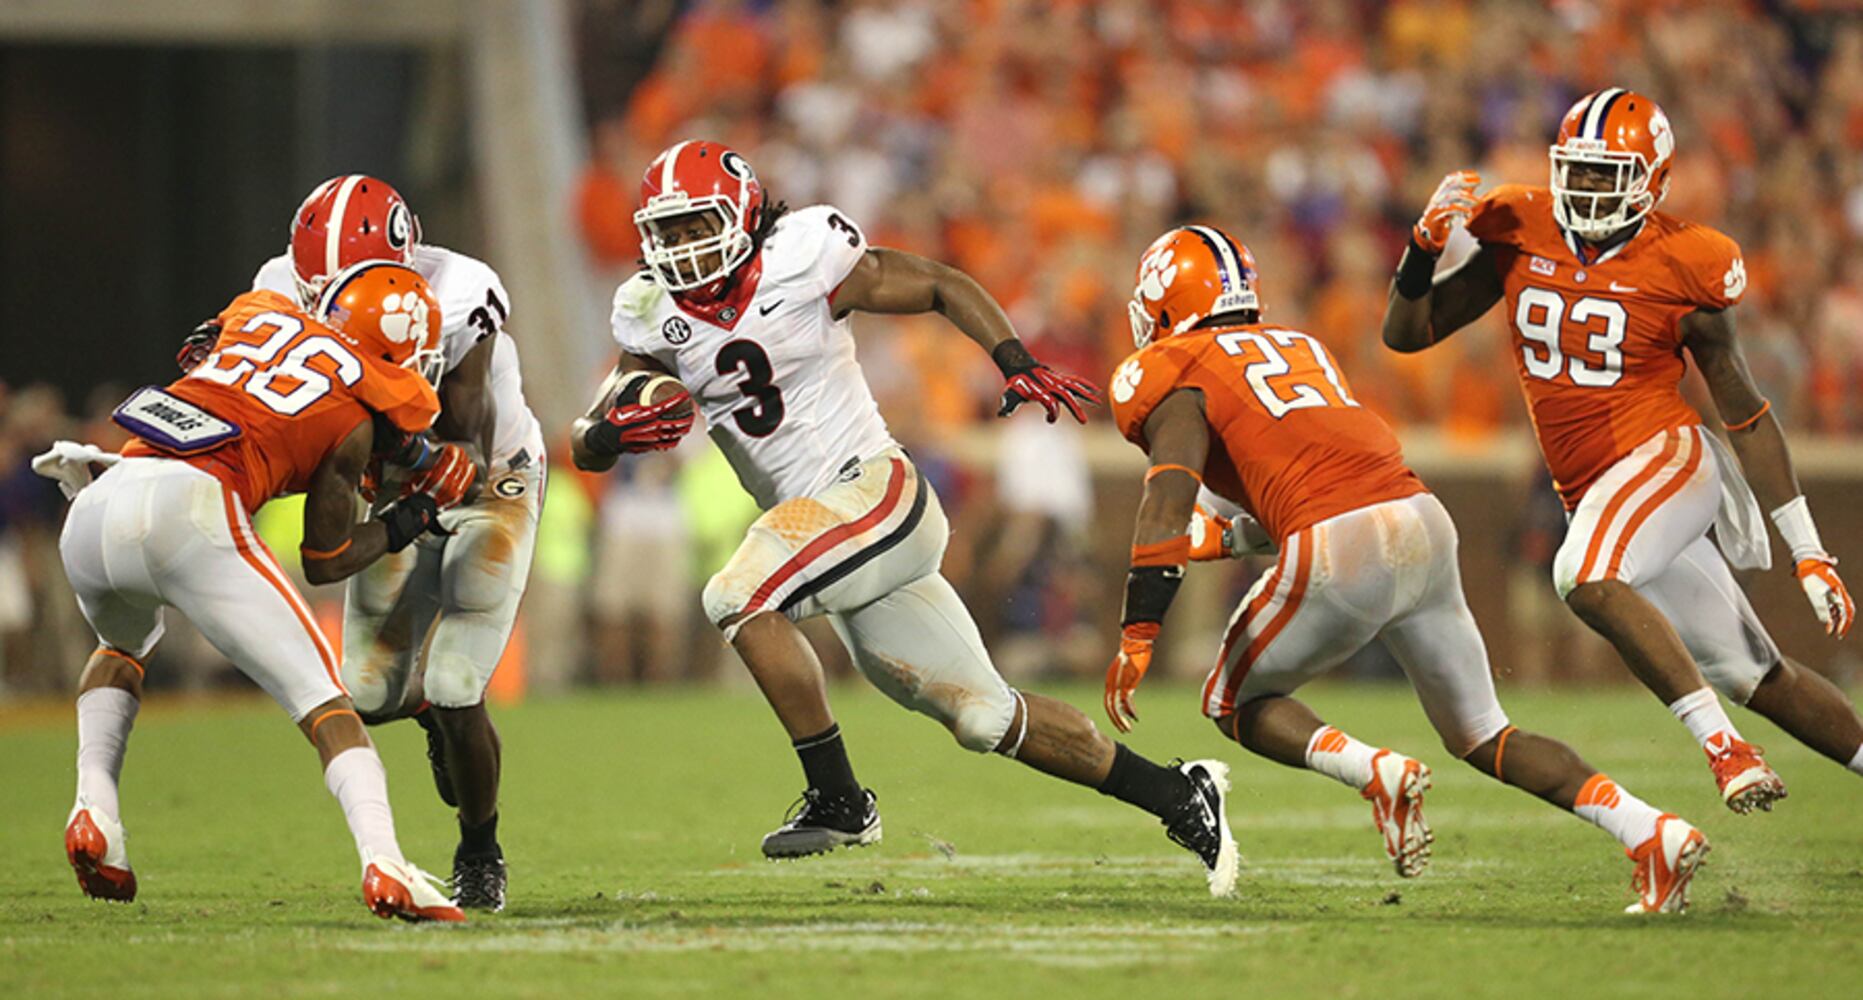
x: 1278, y: 384
x: 1540, y: 317
x: 259, y: 365
x: 765, y: 412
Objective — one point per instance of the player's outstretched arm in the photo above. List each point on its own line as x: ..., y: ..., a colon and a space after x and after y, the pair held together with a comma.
x: 1759, y: 442
x: 1179, y: 436
x: 616, y: 424
x: 335, y: 546
x: 1423, y: 308
x: 894, y: 281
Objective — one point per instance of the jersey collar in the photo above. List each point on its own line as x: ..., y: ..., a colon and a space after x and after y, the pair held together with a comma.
x: 1591, y: 256
x: 729, y: 307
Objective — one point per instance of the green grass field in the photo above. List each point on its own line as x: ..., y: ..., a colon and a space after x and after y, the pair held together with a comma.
x: 631, y: 822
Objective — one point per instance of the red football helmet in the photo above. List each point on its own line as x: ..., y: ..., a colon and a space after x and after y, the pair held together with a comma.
x: 1186, y: 276
x: 1623, y: 135
x: 344, y: 221
x: 385, y: 310
x: 697, y: 178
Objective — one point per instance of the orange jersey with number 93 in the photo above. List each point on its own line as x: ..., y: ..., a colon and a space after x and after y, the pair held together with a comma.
x: 1597, y: 340
x: 1290, y: 445
x: 295, y: 390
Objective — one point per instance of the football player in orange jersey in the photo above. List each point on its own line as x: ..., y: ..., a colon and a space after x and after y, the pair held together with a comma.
x: 1603, y: 293
x: 1263, y: 417
x: 285, y: 403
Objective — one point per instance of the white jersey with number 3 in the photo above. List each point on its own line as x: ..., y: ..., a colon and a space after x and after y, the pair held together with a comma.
x: 777, y: 383
x: 473, y: 306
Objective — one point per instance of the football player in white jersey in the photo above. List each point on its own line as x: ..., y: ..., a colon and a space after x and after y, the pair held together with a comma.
x: 464, y: 587
x: 747, y: 304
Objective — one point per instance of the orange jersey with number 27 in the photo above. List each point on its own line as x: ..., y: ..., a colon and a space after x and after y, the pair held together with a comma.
x: 1291, y: 444
x: 296, y: 389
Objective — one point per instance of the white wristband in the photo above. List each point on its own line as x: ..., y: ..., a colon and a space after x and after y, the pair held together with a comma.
x: 1795, y: 526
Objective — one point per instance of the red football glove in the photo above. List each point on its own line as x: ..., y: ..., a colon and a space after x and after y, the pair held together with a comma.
x: 1449, y: 207
x: 199, y: 344
x: 448, y: 479
x: 1127, y: 670
x: 639, y: 427
x: 1052, y: 389
x: 1830, y: 599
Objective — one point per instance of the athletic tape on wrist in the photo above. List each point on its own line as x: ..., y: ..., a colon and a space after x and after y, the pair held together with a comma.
x: 1793, y: 519
x: 1416, y: 272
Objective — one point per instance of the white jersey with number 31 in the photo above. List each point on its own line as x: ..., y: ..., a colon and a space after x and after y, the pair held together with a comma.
x: 473, y: 306
x: 777, y: 382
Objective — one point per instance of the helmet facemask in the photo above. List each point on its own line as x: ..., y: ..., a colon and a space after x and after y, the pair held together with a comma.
x: 684, y: 264
x: 1596, y: 211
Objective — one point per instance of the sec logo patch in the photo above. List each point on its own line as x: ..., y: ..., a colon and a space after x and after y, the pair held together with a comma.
x: 510, y: 487
x: 676, y: 330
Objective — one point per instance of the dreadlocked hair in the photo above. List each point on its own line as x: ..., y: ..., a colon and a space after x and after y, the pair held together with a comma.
x: 766, y: 224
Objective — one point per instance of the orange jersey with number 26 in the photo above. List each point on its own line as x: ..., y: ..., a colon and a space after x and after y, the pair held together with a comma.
x: 1291, y: 445
x: 296, y: 389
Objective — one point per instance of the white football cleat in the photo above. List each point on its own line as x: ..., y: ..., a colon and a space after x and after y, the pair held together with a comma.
x: 398, y: 889
x: 94, y: 844
x: 1666, y: 863
x: 1396, y: 795
x: 1201, y: 824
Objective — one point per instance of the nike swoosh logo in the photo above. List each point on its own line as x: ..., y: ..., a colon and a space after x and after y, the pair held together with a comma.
x: 766, y: 310
x: 1621, y: 289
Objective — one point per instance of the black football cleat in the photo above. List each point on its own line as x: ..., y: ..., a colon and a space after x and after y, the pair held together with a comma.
x: 479, y: 881
x: 1201, y: 826
x: 819, y: 823
x: 436, y: 757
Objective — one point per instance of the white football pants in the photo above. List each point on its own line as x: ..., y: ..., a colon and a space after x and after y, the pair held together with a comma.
x: 866, y: 551
x: 1387, y: 571
x: 155, y: 532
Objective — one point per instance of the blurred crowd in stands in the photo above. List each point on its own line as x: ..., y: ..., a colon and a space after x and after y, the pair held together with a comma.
x: 1040, y: 146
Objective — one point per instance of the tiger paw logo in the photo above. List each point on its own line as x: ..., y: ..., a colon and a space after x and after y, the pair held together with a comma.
x: 1126, y: 380
x: 1734, y: 282
x: 1156, y: 273
x: 405, y: 317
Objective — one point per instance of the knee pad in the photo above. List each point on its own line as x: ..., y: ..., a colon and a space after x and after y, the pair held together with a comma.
x: 723, y: 597
x: 455, y: 680
x: 981, y: 724
x: 371, y: 696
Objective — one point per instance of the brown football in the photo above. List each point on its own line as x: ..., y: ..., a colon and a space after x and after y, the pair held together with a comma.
x: 661, y: 388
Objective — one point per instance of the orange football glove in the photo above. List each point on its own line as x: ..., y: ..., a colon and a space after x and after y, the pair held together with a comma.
x: 448, y: 479
x: 1127, y: 670
x: 1830, y: 599
x: 1209, y: 535
x: 1449, y: 207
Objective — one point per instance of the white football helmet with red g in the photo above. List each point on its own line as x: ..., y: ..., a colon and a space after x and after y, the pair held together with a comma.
x: 698, y: 178
x: 345, y: 221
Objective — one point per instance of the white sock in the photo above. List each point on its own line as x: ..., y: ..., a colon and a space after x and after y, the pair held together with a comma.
x: 1340, y: 757
x: 1608, y: 806
x: 360, y: 783
x: 1856, y: 762
x: 105, y: 716
x: 1702, y: 713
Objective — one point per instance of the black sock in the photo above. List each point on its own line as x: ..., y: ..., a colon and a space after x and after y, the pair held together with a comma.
x: 824, y: 763
x: 481, y: 839
x: 1157, y: 790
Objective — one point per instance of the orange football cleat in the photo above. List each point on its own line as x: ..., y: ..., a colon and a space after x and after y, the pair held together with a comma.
x: 397, y: 889
x: 94, y: 846
x: 1741, y: 771
x: 1666, y: 864
x: 1396, y: 795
